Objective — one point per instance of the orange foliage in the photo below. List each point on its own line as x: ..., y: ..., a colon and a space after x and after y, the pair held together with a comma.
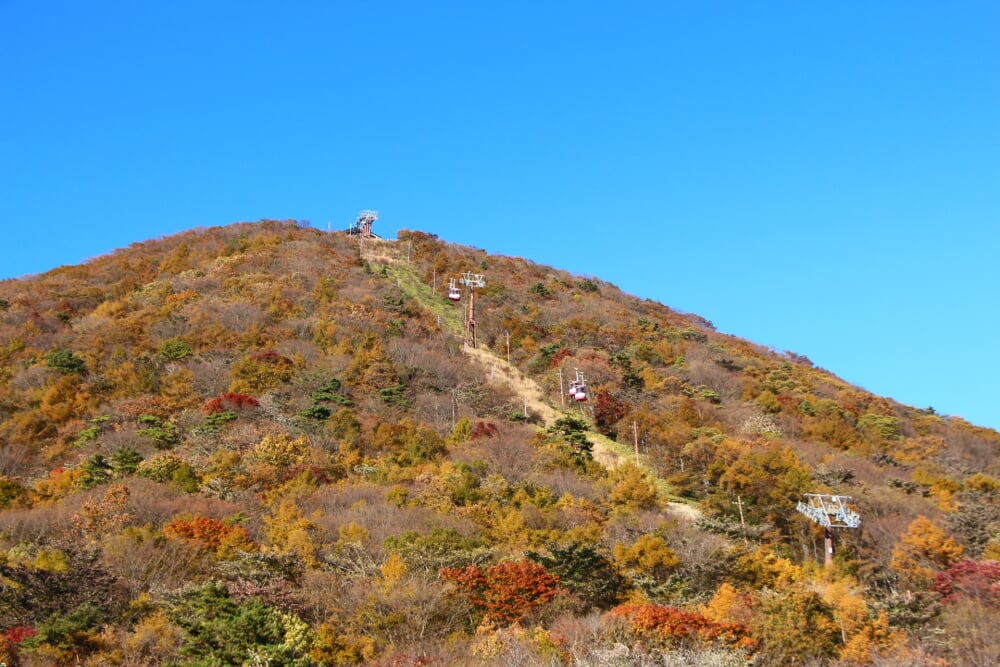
x: 506, y: 592
x: 229, y: 401
x: 923, y: 550
x: 670, y: 626
x: 210, y: 534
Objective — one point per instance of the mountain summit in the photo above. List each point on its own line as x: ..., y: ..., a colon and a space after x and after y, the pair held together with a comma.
x: 268, y: 444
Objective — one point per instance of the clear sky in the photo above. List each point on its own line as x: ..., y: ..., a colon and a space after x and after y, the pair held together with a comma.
x: 819, y: 177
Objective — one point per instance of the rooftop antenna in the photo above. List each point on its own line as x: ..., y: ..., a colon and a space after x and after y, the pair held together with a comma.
x: 473, y: 280
x: 830, y: 512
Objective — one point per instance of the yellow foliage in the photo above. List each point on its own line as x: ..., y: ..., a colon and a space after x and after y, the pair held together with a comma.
x: 393, y: 570
x: 336, y: 648
x: 763, y: 569
x: 461, y: 431
x: 259, y: 374
x: 983, y: 483
x: 178, y: 389
x: 110, y: 309
x: 634, y: 490
x: 298, y: 488
x: 509, y: 526
x: 874, y: 638
x: 795, y: 624
x: 44, y: 558
x: 923, y: 549
x: 728, y: 605
x: 280, y: 450
x: 912, y: 451
x: 232, y: 544
x: 59, y: 484
x: 648, y: 555
x: 154, y: 640
x: 66, y: 399
x: 371, y: 368
x: 941, y: 486
x: 129, y: 380
x: 353, y: 533
x: 651, y: 380
x: 848, y: 602
x: 492, y: 644
x: 290, y: 532
x: 992, y: 550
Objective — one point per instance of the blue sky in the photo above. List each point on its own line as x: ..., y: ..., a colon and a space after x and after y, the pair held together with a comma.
x: 817, y: 177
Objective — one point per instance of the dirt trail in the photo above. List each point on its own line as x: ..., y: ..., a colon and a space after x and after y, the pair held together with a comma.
x: 501, y: 373
x: 606, y: 452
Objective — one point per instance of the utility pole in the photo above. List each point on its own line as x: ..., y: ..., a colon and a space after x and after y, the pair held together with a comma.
x: 635, y: 437
x: 507, y: 336
x: 562, y: 396
x: 743, y: 523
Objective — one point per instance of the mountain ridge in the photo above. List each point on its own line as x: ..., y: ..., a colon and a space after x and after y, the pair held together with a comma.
x: 285, y: 405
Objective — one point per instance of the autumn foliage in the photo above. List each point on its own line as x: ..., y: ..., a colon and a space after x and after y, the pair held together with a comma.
x: 667, y: 626
x: 971, y: 580
x: 229, y: 401
x: 210, y: 534
x: 507, y: 592
x: 270, y: 444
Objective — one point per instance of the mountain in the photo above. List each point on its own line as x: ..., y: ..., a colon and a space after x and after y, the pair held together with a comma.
x: 268, y: 444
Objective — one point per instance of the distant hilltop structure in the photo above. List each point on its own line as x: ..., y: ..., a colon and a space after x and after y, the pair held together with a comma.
x: 362, y: 227
x: 371, y: 246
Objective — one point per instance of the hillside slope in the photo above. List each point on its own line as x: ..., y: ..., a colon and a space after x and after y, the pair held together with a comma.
x: 277, y: 437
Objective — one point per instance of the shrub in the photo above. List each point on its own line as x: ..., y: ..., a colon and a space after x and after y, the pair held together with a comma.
x: 175, y: 349
x: 507, y: 592
x: 666, y: 626
x: 230, y: 401
x: 65, y: 362
x: 164, y: 434
x: 261, y: 372
x: 395, y: 395
x: 540, y: 289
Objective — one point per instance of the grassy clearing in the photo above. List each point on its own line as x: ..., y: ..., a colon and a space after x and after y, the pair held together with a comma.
x: 448, y: 314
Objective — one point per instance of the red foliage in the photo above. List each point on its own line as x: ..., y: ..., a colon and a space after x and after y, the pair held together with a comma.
x: 557, y: 358
x: 227, y: 402
x: 972, y: 579
x: 202, y: 530
x: 669, y: 625
x: 18, y: 633
x: 608, y: 410
x: 506, y: 592
x: 483, y: 429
